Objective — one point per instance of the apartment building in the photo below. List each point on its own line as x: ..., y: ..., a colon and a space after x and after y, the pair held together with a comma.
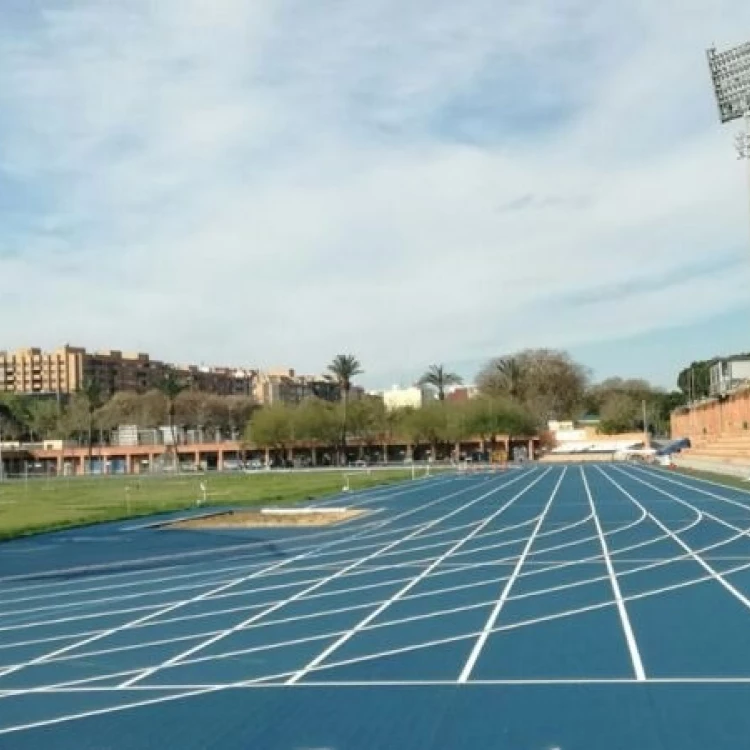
x: 224, y: 381
x: 285, y: 386
x: 67, y: 369
x: 32, y: 371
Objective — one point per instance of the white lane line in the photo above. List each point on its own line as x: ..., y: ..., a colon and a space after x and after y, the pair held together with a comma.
x: 441, y: 590
x: 627, y: 628
x: 309, y: 589
x: 230, y: 610
x: 177, y: 605
x: 265, y: 680
x: 740, y: 490
x: 323, y: 655
x: 495, y: 613
x: 318, y: 552
x: 510, y: 682
x: 98, y: 572
x: 715, y: 574
x: 464, y: 566
x: 705, y: 513
x: 693, y: 488
x: 340, y: 610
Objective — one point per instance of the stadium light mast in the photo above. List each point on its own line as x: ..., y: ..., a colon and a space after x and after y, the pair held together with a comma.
x: 730, y: 74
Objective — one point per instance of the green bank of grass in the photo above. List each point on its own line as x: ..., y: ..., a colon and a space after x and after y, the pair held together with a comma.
x: 726, y: 479
x: 37, y: 505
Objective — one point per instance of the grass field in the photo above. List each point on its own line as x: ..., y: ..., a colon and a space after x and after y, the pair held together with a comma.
x: 36, y: 505
x: 726, y: 479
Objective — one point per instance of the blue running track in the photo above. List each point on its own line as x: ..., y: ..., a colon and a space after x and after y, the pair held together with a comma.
x: 568, y: 607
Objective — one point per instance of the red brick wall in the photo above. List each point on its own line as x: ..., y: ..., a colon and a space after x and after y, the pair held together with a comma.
x: 730, y: 417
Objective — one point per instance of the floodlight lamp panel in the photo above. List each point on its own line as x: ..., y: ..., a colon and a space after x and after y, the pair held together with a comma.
x: 730, y: 75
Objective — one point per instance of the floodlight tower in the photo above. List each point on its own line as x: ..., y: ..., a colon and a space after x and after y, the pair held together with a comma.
x: 730, y: 73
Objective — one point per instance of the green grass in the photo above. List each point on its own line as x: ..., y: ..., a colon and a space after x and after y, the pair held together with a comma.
x: 725, y: 479
x: 37, y: 505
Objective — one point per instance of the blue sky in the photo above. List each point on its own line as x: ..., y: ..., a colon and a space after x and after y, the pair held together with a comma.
x: 270, y: 183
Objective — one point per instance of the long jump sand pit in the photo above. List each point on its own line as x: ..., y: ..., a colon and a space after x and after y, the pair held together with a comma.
x: 270, y: 517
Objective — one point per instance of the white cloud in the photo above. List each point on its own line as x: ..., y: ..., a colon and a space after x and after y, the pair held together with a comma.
x: 271, y: 183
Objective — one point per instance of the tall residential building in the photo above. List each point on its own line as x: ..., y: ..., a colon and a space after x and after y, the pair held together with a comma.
x: 67, y: 369
x: 33, y: 371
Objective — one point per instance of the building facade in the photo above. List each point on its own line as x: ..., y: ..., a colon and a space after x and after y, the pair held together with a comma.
x: 285, y: 386
x: 32, y: 371
x: 66, y: 370
x: 402, y: 398
x: 727, y: 374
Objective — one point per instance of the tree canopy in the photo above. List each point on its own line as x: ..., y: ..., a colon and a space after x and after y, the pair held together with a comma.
x: 548, y: 383
x: 440, y: 378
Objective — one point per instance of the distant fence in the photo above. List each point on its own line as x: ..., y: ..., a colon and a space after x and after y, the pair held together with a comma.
x: 578, y: 458
x: 420, y: 468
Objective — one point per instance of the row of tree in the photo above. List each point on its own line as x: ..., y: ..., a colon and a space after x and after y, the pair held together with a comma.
x: 520, y: 392
x: 439, y: 424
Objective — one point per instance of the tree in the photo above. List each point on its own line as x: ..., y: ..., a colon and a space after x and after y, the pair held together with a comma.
x: 439, y: 378
x: 663, y: 404
x: 344, y: 368
x: 458, y: 421
x: 7, y: 421
x: 366, y: 418
x: 13, y: 416
x: 75, y: 418
x: 490, y: 417
x: 620, y: 413
x: 272, y: 427
x: 502, y: 376
x: 92, y: 392
x: 546, y: 381
x: 234, y: 412
x: 553, y: 383
x: 44, y: 418
x: 170, y: 386
x: 316, y: 421
x: 599, y: 393
x: 695, y: 381
x: 430, y: 423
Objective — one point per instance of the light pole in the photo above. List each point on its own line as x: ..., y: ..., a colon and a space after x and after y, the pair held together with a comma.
x: 730, y: 75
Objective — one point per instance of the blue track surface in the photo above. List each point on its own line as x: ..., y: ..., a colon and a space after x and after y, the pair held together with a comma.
x: 546, y: 607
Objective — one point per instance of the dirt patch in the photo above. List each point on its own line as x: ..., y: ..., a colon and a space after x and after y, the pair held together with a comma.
x: 253, y: 519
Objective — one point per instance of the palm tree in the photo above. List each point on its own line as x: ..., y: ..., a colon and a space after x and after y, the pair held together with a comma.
x: 511, y: 376
x: 92, y: 390
x: 438, y: 377
x: 171, y: 387
x: 344, y: 368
